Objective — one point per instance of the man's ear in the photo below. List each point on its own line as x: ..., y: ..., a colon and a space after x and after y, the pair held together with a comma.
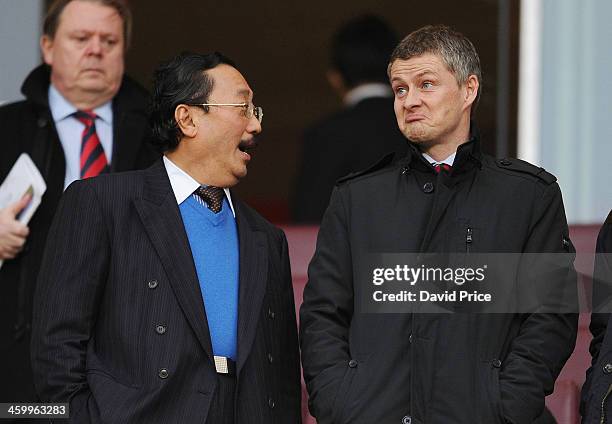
x: 471, y: 89
x: 183, y: 115
x: 46, y: 47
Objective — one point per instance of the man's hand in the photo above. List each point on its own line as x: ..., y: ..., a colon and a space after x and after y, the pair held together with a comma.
x: 12, y: 232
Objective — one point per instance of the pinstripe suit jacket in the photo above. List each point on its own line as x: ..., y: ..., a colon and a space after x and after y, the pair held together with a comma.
x: 118, y: 265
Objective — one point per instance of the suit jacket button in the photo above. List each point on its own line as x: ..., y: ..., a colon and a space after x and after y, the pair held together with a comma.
x: 496, y: 363
x: 153, y: 284
x: 271, y: 313
x: 163, y: 373
x: 271, y: 403
x: 160, y: 329
x: 607, y: 368
x: 353, y: 363
x: 270, y: 358
x: 565, y: 242
x: 428, y: 187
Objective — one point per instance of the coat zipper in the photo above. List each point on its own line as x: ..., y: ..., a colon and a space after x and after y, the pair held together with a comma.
x: 603, y: 402
x: 468, y: 239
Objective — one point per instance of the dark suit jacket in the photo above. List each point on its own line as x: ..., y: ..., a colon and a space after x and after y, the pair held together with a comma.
x: 347, y: 141
x: 118, y: 264
x: 596, y: 403
x: 28, y: 126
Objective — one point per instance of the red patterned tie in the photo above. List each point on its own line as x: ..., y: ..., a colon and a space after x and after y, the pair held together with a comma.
x: 442, y: 166
x: 93, y: 159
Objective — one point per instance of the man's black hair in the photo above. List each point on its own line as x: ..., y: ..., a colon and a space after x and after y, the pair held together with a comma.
x: 181, y: 80
x: 361, y: 49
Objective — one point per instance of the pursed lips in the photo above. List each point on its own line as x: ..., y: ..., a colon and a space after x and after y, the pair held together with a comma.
x: 413, y: 118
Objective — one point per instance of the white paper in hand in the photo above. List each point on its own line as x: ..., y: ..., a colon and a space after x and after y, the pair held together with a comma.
x: 23, y: 178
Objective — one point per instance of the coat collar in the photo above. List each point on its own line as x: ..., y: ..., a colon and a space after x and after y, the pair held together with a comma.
x: 35, y: 88
x: 469, y: 155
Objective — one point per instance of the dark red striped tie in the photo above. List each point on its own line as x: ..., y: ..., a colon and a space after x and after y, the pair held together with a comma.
x: 442, y: 166
x: 93, y: 159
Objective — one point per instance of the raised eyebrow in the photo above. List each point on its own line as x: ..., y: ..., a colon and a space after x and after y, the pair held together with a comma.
x: 426, y: 74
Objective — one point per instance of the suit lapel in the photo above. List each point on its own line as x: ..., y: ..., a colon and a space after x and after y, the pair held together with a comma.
x: 163, y: 223
x: 161, y: 218
x: 253, y: 279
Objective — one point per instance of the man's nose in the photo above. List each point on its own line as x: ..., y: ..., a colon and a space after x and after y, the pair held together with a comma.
x: 412, y: 98
x: 94, y: 46
x: 254, y: 126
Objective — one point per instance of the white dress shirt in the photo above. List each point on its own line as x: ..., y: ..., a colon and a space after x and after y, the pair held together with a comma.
x: 449, y: 160
x: 183, y: 185
x: 70, y: 130
x: 365, y: 91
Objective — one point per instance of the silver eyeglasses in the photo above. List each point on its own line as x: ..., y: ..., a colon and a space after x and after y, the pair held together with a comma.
x: 250, y: 109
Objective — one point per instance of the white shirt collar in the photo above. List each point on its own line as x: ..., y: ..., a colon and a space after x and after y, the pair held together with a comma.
x: 62, y: 108
x: 449, y: 160
x: 183, y: 184
x: 365, y: 91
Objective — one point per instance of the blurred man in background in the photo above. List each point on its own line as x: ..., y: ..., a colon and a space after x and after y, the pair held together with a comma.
x: 362, y: 132
x: 81, y: 117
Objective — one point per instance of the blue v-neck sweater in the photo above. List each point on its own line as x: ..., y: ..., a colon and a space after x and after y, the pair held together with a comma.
x: 214, y: 244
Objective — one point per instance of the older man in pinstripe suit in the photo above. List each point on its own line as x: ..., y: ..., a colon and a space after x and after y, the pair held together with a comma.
x: 162, y: 297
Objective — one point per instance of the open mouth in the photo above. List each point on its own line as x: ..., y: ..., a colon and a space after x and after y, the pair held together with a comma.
x: 247, y: 146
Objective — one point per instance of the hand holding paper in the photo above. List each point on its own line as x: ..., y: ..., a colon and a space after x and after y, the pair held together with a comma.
x: 12, y: 232
x: 20, y: 195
